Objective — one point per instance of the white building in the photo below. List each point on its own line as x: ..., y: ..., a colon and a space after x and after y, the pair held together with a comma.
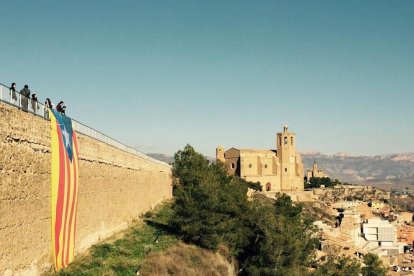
x: 379, y: 231
x: 381, y: 237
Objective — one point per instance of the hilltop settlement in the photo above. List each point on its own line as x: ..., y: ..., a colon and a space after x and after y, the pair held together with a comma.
x: 352, y: 220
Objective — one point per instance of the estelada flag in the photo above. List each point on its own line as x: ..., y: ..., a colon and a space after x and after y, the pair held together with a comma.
x: 64, y: 187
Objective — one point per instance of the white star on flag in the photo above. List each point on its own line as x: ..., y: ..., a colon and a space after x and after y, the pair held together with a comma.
x: 66, y: 135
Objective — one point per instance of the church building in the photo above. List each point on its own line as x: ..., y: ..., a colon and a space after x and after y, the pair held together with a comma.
x: 315, y: 172
x: 279, y: 170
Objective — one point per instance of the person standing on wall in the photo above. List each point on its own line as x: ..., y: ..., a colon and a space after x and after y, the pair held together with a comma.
x: 35, y: 105
x: 48, y: 104
x: 13, y: 96
x: 59, y: 107
x: 25, y: 92
x: 46, y: 109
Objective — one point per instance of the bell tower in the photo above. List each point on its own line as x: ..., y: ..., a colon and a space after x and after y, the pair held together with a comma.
x: 220, y: 154
x: 315, y: 168
x: 286, y: 152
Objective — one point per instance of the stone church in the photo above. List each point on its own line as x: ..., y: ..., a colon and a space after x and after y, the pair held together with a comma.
x: 279, y: 170
x: 315, y: 172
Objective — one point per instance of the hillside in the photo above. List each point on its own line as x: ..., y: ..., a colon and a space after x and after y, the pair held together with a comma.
x: 148, y: 248
x: 390, y: 169
x: 382, y: 169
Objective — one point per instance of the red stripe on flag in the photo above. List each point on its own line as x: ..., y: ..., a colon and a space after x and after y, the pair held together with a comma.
x: 65, y: 240
x: 71, y: 215
x: 72, y: 207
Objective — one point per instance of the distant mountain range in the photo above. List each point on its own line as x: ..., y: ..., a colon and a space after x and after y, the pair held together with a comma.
x: 162, y: 157
x: 382, y: 169
x: 170, y: 159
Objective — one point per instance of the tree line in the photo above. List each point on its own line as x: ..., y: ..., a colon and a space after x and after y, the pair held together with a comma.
x: 316, y: 182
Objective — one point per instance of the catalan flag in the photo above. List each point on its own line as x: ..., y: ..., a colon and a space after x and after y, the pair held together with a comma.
x: 64, y: 182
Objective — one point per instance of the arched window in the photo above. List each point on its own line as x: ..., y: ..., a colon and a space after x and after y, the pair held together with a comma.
x: 285, y: 140
x: 291, y: 141
x: 250, y: 165
x: 268, y: 186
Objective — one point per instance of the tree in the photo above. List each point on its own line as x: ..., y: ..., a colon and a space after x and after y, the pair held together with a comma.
x: 339, y: 266
x: 336, y: 182
x: 373, y: 266
x: 282, y: 240
x: 189, y: 167
x: 208, y: 204
x: 316, y: 182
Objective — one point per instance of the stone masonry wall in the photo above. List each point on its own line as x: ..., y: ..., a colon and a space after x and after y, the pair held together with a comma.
x: 114, y: 188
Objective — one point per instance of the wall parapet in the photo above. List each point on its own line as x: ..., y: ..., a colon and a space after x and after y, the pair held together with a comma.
x: 41, y: 110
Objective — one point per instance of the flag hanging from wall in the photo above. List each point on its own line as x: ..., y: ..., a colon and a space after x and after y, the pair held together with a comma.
x: 64, y: 188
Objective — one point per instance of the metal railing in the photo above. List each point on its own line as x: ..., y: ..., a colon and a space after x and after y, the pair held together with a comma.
x: 14, y: 98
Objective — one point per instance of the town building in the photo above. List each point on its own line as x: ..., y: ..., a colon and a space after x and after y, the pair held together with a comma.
x: 381, y: 237
x: 405, y: 234
x: 379, y: 231
x: 315, y: 172
x: 359, y: 207
x: 378, y: 206
x: 276, y: 170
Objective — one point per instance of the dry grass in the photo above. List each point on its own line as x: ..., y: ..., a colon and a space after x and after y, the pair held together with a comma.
x: 124, y: 253
x: 148, y: 247
x: 187, y: 260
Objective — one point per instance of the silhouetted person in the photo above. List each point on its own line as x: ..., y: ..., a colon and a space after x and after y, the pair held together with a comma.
x: 25, y: 93
x: 34, y: 103
x: 63, y: 109
x: 13, y: 96
x: 59, y: 107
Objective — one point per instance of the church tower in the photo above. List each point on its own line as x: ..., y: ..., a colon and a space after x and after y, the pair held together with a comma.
x: 315, y: 168
x: 220, y: 154
x: 286, y: 152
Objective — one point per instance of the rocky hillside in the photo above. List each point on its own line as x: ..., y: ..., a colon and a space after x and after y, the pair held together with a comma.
x: 391, y: 168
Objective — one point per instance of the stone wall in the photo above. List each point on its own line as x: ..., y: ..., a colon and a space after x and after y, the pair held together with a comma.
x: 114, y: 188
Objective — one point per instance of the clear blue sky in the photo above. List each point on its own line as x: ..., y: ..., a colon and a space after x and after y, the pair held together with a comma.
x: 159, y: 74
